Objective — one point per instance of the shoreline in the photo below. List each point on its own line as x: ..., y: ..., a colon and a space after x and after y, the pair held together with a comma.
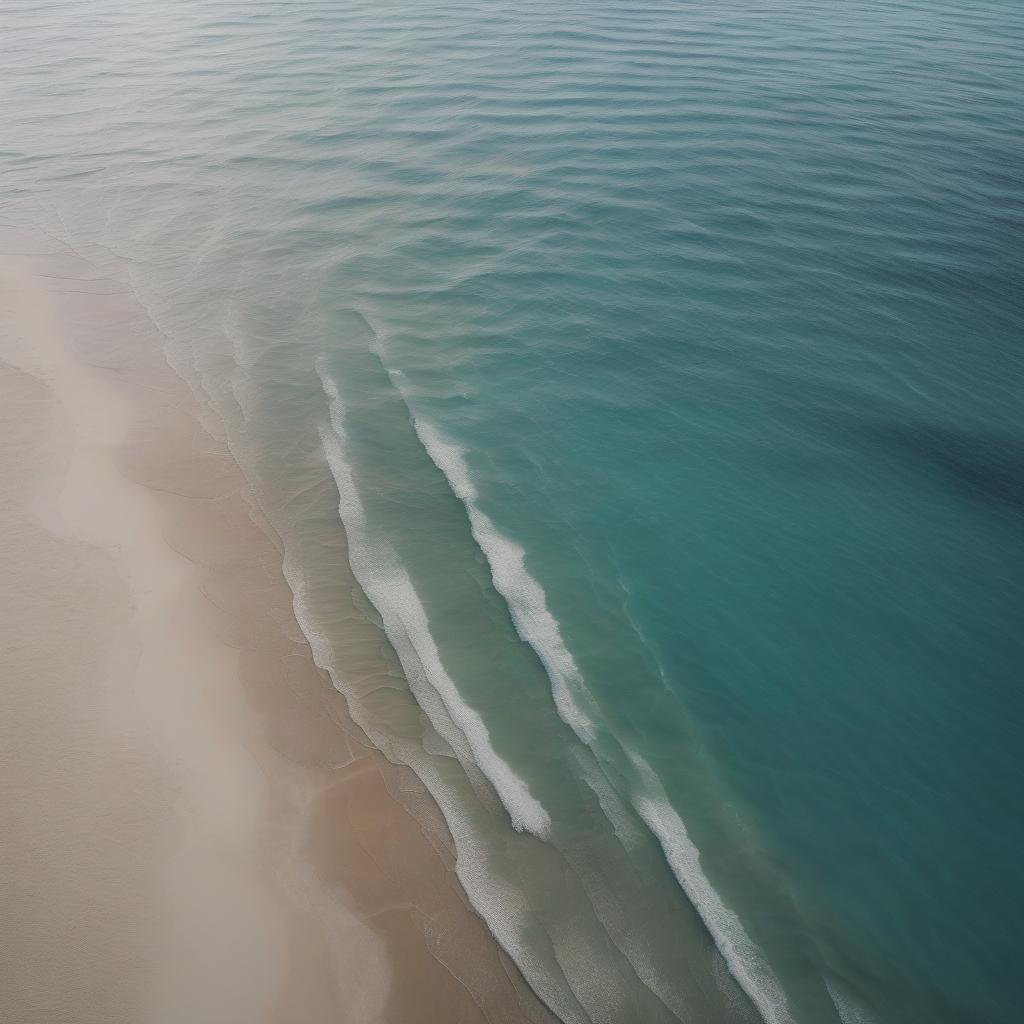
x: 271, y: 871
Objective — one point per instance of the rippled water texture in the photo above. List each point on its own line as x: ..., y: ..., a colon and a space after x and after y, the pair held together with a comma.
x: 656, y: 371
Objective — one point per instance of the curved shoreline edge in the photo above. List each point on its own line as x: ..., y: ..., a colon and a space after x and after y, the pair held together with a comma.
x: 340, y: 855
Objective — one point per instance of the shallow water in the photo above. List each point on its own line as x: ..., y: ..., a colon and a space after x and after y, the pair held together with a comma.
x: 657, y: 370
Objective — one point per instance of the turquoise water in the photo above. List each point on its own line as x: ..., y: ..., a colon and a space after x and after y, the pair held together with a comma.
x: 658, y: 370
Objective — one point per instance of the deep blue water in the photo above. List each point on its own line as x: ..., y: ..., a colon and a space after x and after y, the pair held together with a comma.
x: 669, y: 363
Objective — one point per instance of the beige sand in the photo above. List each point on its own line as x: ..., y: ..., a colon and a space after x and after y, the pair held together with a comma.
x: 191, y: 829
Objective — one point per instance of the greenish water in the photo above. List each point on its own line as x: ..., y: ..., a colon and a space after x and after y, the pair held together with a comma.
x: 663, y: 365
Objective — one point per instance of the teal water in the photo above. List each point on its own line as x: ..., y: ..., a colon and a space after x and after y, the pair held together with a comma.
x: 658, y: 369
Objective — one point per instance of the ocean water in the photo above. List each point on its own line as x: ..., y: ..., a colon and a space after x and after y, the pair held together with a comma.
x: 657, y: 371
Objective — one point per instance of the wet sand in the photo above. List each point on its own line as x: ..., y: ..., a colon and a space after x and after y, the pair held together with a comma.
x: 193, y: 830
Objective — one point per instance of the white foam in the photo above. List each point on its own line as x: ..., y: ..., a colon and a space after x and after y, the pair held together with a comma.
x: 746, y: 962
x: 527, y: 603
x: 365, y: 564
x: 629, y: 833
x: 525, y: 597
x: 849, y: 1011
x: 536, y: 625
x: 387, y: 584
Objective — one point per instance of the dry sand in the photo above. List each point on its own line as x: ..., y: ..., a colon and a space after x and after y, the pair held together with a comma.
x: 191, y: 829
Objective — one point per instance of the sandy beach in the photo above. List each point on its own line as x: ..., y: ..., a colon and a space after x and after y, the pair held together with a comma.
x: 194, y: 830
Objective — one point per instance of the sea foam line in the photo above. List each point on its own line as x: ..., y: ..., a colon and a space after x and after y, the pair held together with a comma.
x: 746, y: 962
x: 392, y: 592
x: 523, y: 595
x: 536, y: 625
x: 849, y: 1011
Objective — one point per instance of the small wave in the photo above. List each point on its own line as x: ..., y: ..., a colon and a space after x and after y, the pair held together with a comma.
x: 849, y: 1011
x: 523, y: 595
x: 746, y: 962
x: 392, y: 592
